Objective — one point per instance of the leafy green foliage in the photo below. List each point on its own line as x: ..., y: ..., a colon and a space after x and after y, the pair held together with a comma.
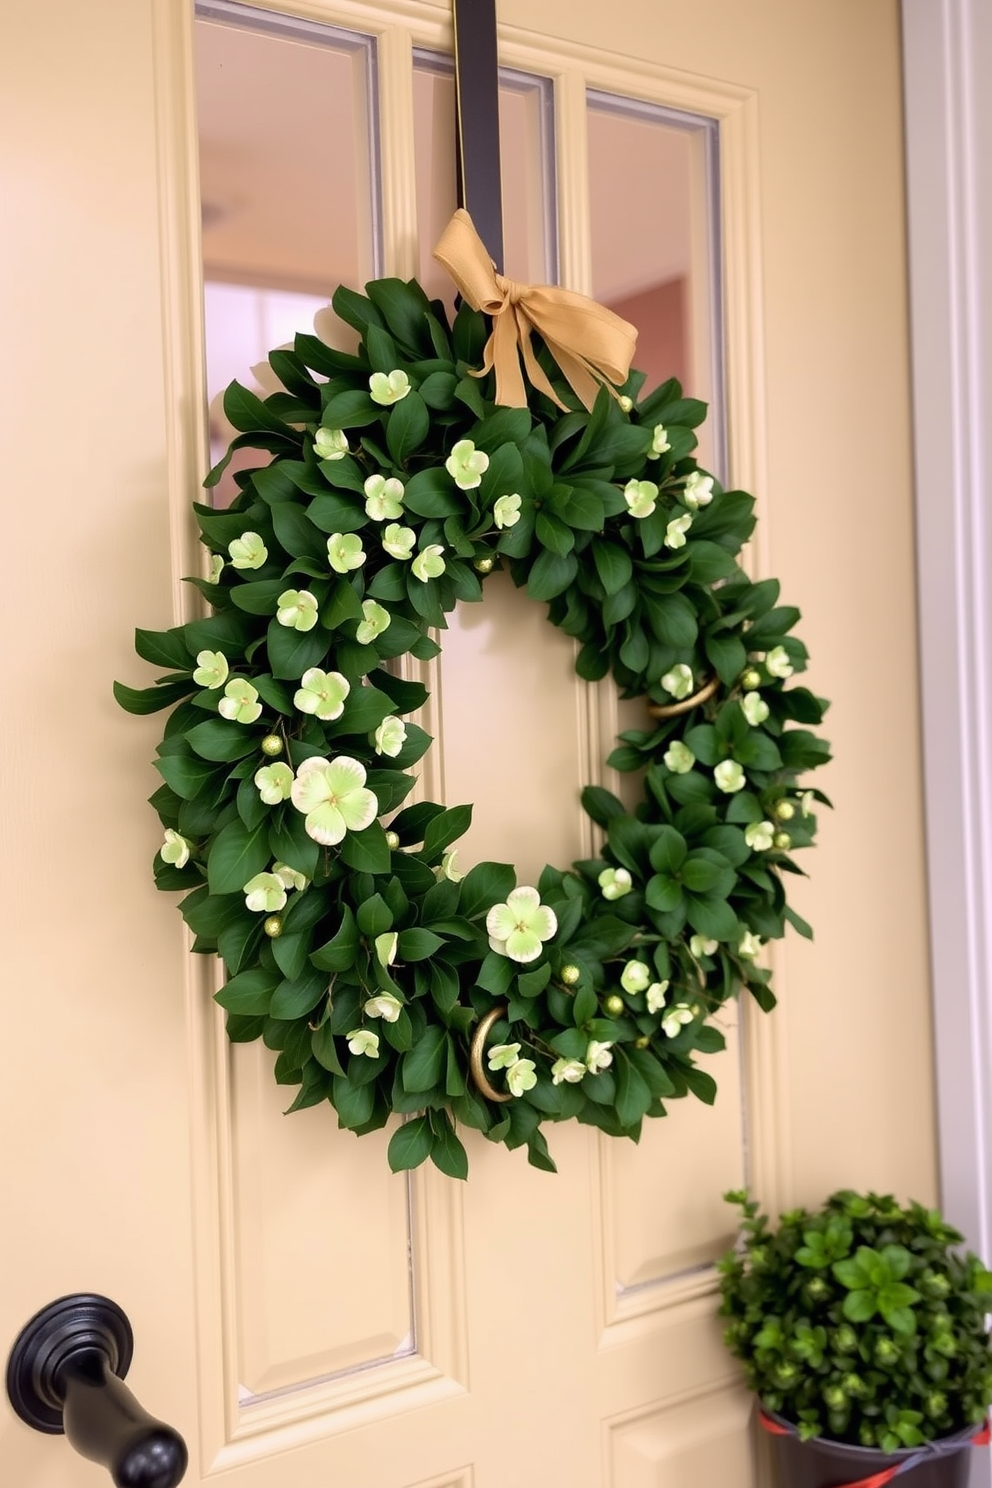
x: 370, y: 972
x: 863, y: 1322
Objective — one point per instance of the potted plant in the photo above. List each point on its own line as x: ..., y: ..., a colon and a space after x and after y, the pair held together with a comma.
x: 862, y: 1327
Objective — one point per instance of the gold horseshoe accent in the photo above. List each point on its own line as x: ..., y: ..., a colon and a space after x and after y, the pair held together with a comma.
x: 672, y: 710
x: 476, y: 1051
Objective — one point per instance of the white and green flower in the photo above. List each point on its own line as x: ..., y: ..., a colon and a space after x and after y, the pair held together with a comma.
x: 330, y: 444
x: 345, y: 551
x: 248, y: 551
x: 274, y: 782
x: 390, y: 736
x: 749, y: 946
x: 702, y: 945
x: 240, y: 702
x: 448, y: 867
x: 598, y: 1056
x: 506, y: 512
x: 635, y: 976
x: 502, y: 1056
x: 290, y: 878
x: 216, y: 568
x: 754, y: 708
x: 729, y: 776
x: 363, y: 1041
x: 399, y: 541
x: 322, y: 694
x: 265, y: 893
x: 698, y: 490
x: 374, y: 621
x: 656, y: 996
x: 211, y: 669
x: 614, y: 883
x: 679, y: 758
x: 759, y: 835
x: 297, y: 609
x: 678, y: 681
x: 659, y: 440
x: 383, y: 498
x: 641, y: 497
x: 676, y: 530
x: 466, y: 465
x: 521, y: 1076
x: 385, y: 1006
x: 676, y: 1019
x: 777, y: 662
x: 389, y: 387
x: 571, y: 1071
x: 429, y: 564
x: 519, y: 927
x: 385, y: 948
x: 175, y: 849
x: 333, y: 797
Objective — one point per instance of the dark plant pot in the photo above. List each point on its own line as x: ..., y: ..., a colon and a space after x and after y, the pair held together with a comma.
x: 829, y: 1464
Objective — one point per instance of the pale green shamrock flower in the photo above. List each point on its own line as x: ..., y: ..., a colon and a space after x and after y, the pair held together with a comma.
x: 399, y: 541
x: 388, y: 387
x: 274, y: 782
x: 702, y: 945
x: 322, y: 694
x: 363, y: 1041
x: 641, y: 497
x: 674, y: 1021
x: 506, y: 512
x: 330, y: 444
x: 755, y: 708
x: 345, y: 551
x: 698, y: 490
x: 759, y: 836
x: 211, y: 669
x: 598, y: 1056
x: 248, y: 551
x: 656, y: 996
x: 519, y: 927
x: 383, y: 498
x: 501, y: 1056
x: 265, y: 893
x: 806, y: 802
x: 679, y: 758
x: 729, y: 776
x: 390, y: 736
x: 297, y: 609
x: 333, y: 796
x: 676, y: 530
x: 240, y: 702
x: 749, y: 946
x: 466, y: 465
x: 521, y: 1076
x: 373, y: 622
x: 290, y: 878
x: 635, y: 976
x: 678, y: 681
x: 429, y: 564
x: 449, y: 867
x: 659, y: 440
x: 385, y: 947
x: 777, y: 662
x: 175, y: 849
x: 216, y: 568
x: 615, y: 882
x: 569, y: 1070
x: 385, y: 1006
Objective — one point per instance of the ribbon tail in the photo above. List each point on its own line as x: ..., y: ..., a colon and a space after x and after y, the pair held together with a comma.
x: 578, y: 374
x: 535, y: 372
x: 503, y: 353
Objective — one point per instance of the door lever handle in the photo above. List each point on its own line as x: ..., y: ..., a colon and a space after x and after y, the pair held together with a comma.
x: 65, y: 1374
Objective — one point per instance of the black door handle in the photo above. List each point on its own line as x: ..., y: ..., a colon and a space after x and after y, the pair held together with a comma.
x: 65, y: 1374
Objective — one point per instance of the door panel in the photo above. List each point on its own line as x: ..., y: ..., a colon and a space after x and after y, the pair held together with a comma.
x: 300, y: 1313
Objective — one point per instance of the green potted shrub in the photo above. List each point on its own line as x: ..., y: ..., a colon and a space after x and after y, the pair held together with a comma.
x: 862, y: 1328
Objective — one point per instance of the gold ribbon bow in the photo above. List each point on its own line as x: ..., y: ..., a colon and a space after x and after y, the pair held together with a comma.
x: 592, y: 346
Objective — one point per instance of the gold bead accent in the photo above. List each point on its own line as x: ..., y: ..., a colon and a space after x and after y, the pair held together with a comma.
x: 751, y: 679
x: 392, y: 840
x: 784, y: 810
x: 614, y: 1005
x: 273, y: 926
x: 782, y: 841
x: 570, y: 975
x: 483, y: 565
x: 643, y: 1042
x: 626, y: 403
x: 272, y: 745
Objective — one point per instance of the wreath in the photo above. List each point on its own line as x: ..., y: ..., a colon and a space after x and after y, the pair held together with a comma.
x: 388, y: 980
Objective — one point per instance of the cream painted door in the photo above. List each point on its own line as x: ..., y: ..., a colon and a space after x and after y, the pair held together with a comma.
x: 302, y: 1316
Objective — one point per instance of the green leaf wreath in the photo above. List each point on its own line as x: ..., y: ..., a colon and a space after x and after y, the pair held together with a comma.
x: 352, y: 943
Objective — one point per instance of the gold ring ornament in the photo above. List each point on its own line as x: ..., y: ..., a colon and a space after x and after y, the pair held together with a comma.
x: 476, y: 1055
x: 389, y: 484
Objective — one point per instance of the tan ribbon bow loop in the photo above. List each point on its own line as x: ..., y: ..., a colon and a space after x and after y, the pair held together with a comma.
x: 592, y: 346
